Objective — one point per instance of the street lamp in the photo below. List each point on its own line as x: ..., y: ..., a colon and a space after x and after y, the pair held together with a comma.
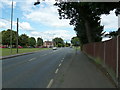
x: 36, y: 3
x: 11, y: 27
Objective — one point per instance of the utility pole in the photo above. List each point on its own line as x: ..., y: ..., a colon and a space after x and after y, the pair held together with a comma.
x: 17, y: 35
x: 11, y: 28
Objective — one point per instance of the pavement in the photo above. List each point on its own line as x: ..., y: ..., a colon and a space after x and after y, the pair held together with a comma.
x: 79, y: 72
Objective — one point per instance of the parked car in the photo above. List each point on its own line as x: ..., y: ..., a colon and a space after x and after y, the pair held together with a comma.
x: 2, y: 47
x: 54, y: 48
x: 20, y: 47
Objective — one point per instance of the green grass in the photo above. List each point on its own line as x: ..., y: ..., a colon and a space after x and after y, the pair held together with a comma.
x: 78, y: 48
x: 7, y: 52
x: 98, y: 60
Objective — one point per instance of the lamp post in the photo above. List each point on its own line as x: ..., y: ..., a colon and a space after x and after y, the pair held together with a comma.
x: 11, y: 27
x: 36, y: 3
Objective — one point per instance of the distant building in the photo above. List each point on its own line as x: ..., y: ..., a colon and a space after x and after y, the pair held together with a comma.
x: 48, y: 44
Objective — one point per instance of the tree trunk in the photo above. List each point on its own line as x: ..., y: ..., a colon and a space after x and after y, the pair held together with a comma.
x: 87, y: 24
x: 88, y: 31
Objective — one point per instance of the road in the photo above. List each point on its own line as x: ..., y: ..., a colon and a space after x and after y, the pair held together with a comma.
x: 61, y: 68
x: 33, y: 70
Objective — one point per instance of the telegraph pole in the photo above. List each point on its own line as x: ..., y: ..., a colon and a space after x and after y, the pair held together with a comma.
x: 17, y: 35
x: 11, y: 28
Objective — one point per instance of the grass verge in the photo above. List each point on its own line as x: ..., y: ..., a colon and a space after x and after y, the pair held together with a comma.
x: 7, y: 51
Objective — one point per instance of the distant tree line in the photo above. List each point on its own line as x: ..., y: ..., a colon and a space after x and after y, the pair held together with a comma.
x: 59, y: 42
x: 23, y: 39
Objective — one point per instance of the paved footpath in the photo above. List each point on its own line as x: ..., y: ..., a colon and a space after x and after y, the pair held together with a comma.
x: 79, y: 72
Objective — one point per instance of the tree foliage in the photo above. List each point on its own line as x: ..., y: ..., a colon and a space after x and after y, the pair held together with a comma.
x: 6, y: 37
x: 39, y: 41
x: 32, y: 41
x: 75, y: 41
x: 23, y: 40
x: 85, y: 16
x: 67, y: 44
x: 0, y: 38
x: 58, y: 42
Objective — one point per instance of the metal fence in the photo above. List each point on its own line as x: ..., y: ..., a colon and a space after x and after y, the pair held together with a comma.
x: 108, y: 52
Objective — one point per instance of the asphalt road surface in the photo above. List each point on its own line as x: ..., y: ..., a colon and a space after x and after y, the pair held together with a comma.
x: 61, y: 68
x: 33, y: 70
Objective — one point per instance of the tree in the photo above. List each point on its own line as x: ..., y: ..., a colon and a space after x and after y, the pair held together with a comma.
x: 0, y: 38
x: 58, y: 42
x: 6, y: 37
x: 39, y: 41
x: 75, y: 41
x: 67, y: 44
x: 23, y: 40
x: 32, y: 41
x: 87, y: 15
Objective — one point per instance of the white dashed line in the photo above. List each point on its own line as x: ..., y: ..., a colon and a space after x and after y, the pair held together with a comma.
x: 43, y: 55
x: 50, y: 83
x: 32, y: 59
x: 59, y: 64
x: 56, y: 71
x: 61, y: 60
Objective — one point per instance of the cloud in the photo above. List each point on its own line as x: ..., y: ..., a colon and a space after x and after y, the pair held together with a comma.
x: 45, y: 14
x: 25, y: 26
x: 106, y: 38
x: 8, y: 3
x: 5, y: 24
x: 110, y: 21
x: 2, y: 25
x: 50, y: 34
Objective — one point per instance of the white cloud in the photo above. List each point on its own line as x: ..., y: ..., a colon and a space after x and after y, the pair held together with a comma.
x: 5, y: 24
x: 8, y: 3
x: 45, y: 13
x: 106, y: 38
x: 110, y: 21
x: 2, y: 25
x: 25, y: 26
x: 50, y: 34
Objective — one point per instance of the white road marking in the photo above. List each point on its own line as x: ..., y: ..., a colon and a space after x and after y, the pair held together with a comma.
x: 61, y: 60
x: 32, y: 59
x: 50, y: 83
x: 43, y: 55
x: 59, y: 64
x: 56, y: 71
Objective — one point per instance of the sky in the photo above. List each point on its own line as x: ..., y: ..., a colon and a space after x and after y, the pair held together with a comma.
x: 43, y: 20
